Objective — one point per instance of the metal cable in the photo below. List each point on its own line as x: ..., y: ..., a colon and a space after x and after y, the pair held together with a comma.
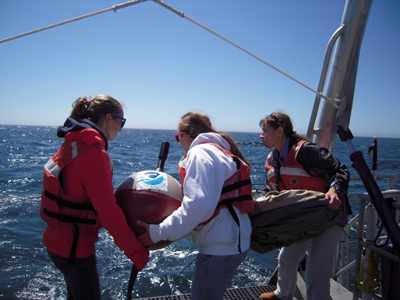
x: 114, y: 8
x: 181, y: 14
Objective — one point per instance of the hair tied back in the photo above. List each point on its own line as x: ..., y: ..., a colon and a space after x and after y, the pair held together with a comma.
x: 88, y: 98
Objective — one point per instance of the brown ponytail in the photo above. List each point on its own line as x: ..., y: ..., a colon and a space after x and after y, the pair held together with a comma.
x: 195, y: 123
x: 83, y: 108
x: 279, y: 119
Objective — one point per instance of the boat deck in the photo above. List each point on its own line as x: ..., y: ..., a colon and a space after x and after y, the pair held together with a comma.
x: 338, y: 292
x: 242, y: 293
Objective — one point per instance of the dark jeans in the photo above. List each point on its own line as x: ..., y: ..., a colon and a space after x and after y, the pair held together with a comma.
x: 213, y: 274
x: 82, y: 277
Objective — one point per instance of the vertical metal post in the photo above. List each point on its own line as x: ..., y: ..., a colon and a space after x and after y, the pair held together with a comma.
x: 342, y: 74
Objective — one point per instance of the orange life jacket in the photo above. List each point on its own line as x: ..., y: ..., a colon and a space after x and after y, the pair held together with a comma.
x: 292, y: 175
x: 237, y: 189
x: 59, y: 210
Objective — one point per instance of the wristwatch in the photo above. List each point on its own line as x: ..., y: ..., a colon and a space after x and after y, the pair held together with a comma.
x: 336, y: 187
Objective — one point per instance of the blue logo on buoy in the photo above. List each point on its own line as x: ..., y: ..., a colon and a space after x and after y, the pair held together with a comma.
x: 153, y: 178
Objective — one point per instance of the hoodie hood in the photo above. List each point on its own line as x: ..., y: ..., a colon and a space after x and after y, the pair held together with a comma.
x: 211, y: 137
x: 72, y: 125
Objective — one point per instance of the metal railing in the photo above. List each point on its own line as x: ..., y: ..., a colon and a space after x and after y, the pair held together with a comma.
x: 358, y: 237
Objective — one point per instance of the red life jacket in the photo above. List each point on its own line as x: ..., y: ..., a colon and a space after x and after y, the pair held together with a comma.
x: 292, y: 175
x: 59, y: 210
x: 237, y: 189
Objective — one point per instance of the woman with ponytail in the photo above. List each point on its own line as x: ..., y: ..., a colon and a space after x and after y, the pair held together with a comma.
x: 217, y: 199
x: 78, y: 196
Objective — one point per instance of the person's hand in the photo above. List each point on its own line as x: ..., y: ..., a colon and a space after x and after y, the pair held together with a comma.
x: 333, y: 198
x: 145, y: 238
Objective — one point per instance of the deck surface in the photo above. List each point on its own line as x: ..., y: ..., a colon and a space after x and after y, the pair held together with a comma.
x: 253, y: 292
x: 242, y: 293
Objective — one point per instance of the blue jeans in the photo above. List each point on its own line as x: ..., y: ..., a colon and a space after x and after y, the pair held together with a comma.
x: 82, y: 278
x: 213, y: 275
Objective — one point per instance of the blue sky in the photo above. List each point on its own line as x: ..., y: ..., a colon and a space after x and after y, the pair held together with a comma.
x: 161, y: 65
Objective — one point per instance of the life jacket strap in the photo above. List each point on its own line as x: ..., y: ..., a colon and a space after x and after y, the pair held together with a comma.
x: 75, y: 221
x: 74, y: 245
x: 236, y: 218
x: 237, y: 161
x: 68, y: 219
x: 236, y: 185
x: 68, y: 204
x: 226, y: 202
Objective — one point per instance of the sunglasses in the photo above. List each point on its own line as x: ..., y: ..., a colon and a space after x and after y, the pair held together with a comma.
x: 123, y: 120
x: 178, y: 135
x: 276, y: 119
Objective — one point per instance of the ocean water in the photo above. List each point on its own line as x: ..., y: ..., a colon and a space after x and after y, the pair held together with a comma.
x: 25, y: 269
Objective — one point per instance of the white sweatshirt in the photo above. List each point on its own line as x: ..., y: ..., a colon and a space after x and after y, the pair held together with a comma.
x: 206, y: 171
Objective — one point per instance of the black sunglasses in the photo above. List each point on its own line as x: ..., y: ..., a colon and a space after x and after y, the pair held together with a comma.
x: 123, y: 120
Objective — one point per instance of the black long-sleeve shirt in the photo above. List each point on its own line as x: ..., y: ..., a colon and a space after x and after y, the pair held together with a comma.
x: 319, y: 162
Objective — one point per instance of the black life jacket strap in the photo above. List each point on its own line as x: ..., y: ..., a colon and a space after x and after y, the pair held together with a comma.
x: 237, y: 161
x: 236, y: 185
x: 74, y: 220
x: 68, y: 219
x: 68, y: 204
x: 132, y: 280
x: 74, y: 245
x: 226, y: 202
x: 236, y: 218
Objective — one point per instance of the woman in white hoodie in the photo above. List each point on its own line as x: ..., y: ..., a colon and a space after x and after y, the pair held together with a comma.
x: 217, y: 199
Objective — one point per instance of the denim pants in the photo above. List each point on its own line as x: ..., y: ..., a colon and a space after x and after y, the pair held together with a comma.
x: 213, y: 275
x: 82, y: 277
